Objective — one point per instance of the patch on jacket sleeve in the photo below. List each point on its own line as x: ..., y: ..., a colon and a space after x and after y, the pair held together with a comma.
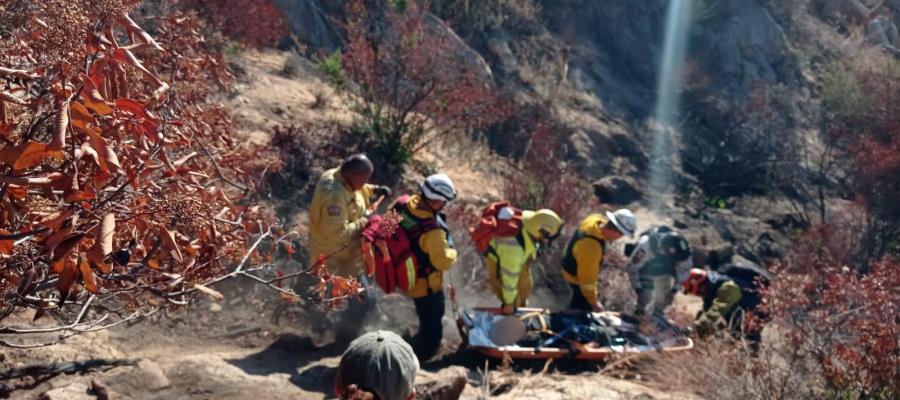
x: 639, y: 256
x: 334, y: 211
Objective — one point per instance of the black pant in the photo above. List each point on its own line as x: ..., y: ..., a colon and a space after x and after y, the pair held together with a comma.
x: 578, y: 301
x: 346, y: 324
x: 430, y: 310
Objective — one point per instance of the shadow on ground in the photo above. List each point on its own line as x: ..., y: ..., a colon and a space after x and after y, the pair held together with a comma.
x: 298, y: 357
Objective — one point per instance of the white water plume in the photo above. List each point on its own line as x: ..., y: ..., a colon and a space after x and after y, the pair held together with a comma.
x: 678, y: 21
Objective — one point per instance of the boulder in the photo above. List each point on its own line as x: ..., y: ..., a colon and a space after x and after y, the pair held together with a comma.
x: 75, y: 391
x: 460, y: 52
x: 311, y: 24
x: 152, y: 375
x: 746, y: 46
x: 616, y: 190
x: 147, y: 375
x: 446, y: 384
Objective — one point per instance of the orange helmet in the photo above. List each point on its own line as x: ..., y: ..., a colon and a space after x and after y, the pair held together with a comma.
x: 695, y: 282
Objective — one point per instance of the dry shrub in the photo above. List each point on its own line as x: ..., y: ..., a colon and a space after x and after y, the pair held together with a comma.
x: 256, y: 23
x: 724, y: 369
x: 293, y: 66
x: 832, y: 333
x: 123, y: 186
x: 861, y: 102
x: 540, y: 178
x: 413, y: 83
x: 844, y: 321
x: 306, y: 151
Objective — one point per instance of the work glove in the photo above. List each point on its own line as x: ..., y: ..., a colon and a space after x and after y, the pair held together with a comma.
x: 382, y: 190
x: 442, y: 223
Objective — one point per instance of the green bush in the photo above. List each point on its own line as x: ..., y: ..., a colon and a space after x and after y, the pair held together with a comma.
x: 333, y: 66
x: 389, y: 140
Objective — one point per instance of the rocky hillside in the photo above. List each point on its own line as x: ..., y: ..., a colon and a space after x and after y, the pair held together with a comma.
x: 746, y: 149
x: 748, y: 100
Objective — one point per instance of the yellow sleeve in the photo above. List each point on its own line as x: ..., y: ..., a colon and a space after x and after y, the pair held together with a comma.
x: 332, y: 213
x: 367, y: 191
x: 434, y: 243
x: 588, y: 254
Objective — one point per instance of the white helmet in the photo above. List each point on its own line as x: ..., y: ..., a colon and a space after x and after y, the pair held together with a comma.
x: 624, y: 221
x: 438, y: 187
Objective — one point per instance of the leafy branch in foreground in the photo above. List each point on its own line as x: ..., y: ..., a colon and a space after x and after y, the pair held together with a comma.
x: 124, y: 188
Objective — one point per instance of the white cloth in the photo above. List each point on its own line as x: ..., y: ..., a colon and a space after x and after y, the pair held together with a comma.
x: 506, y: 213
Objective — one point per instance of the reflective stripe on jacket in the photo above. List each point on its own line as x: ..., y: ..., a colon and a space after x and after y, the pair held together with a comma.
x: 437, y: 252
x: 511, y: 255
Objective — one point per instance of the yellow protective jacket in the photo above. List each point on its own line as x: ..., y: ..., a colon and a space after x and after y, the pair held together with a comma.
x: 507, y: 260
x: 336, y: 218
x: 440, y: 255
x: 584, y: 256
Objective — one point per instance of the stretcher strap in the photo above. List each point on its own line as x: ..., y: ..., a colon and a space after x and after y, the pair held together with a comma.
x: 540, y: 317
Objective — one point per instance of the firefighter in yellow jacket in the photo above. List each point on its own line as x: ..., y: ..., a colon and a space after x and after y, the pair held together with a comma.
x: 337, y: 215
x: 435, y: 254
x: 584, y: 253
x: 508, y: 258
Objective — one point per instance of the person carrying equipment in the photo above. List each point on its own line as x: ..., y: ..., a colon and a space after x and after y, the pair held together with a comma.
x: 658, y: 263
x: 432, y: 247
x: 337, y: 215
x: 728, y: 296
x: 509, y: 239
x: 584, y: 253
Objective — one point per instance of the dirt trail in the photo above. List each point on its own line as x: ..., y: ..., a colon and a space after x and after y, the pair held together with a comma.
x: 195, y: 357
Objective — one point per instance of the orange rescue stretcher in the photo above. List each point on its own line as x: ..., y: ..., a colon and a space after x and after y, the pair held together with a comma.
x: 672, y: 339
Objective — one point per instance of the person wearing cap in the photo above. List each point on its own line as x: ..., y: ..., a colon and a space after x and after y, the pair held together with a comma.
x: 584, y: 253
x: 659, y: 262
x: 378, y: 365
x: 507, y: 258
x: 434, y: 253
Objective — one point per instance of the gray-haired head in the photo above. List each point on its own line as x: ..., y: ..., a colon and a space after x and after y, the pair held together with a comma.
x: 357, y: 170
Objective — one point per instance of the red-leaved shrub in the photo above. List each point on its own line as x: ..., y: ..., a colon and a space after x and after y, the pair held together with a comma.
x: 416, y: 85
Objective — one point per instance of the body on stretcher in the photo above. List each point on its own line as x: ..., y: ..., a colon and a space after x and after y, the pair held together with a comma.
x: 534, y: 333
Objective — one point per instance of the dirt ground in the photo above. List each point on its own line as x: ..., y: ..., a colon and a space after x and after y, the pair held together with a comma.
x: 233, y: 350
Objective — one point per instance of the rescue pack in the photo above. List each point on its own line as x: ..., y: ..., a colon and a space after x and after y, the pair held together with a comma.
x: 389, y: 251
x: 491, y: 225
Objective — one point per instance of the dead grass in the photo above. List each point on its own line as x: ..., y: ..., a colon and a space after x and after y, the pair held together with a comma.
x: 722, y: 368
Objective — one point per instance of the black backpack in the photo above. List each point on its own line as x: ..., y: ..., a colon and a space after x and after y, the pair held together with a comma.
x: 751, y: 278
x: 663, y: 238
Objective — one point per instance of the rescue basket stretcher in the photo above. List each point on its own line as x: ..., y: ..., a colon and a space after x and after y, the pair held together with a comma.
x: 483, y: 327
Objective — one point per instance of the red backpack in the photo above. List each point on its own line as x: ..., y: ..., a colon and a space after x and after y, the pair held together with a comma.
x: 490, y: 226
x: 390, y: 252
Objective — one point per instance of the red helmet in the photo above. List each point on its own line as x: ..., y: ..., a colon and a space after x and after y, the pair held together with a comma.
x: 695, y: 282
